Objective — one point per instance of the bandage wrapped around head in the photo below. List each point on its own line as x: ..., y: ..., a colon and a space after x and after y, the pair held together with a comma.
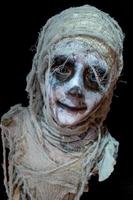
x: 85, y: 23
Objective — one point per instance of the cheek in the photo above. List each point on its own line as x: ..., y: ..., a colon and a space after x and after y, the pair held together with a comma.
x: 92, y: 99
x: 56, y: 93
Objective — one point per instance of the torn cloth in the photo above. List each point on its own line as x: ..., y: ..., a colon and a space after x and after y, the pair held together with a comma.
x: 32, y: 163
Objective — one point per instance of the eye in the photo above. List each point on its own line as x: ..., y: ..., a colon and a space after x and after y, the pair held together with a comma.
x: 100, y: 72
x: 90, y: 80
x: 102, y: 75
x: 96, y: 78
x: 62, y: 72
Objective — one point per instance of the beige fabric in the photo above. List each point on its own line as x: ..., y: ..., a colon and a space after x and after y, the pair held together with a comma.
x: 31, y: 162
x: 44, y: 162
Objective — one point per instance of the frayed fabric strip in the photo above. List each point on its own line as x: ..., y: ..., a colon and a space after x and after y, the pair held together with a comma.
x: 71, y: 176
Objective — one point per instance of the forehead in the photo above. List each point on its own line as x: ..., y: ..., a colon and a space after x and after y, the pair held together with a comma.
x: 88, y: 51
x: 77, y: 45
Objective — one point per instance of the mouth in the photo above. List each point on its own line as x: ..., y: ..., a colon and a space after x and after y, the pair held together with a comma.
x: 71, y: 108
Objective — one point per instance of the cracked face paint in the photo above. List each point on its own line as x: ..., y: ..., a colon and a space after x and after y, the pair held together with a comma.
x: 78, y: 78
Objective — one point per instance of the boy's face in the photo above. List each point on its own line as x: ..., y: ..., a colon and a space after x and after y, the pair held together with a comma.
x: 78, y: 79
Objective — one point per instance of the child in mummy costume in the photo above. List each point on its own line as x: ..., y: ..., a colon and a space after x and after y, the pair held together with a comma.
x: 59, y: 141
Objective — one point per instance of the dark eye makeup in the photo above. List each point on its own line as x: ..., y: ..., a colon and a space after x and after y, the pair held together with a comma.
x: 95, y: 77
x: 62, y: 68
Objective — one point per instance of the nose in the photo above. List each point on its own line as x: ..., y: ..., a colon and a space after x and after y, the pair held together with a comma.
x: 76, y: 92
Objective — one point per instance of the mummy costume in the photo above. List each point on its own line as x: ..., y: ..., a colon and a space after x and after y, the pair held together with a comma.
x: 52, y: 147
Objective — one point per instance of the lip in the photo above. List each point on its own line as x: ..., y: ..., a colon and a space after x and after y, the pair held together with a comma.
x: 71, y: 108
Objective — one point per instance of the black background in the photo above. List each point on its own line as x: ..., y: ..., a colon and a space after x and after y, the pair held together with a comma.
x: 21, y: 23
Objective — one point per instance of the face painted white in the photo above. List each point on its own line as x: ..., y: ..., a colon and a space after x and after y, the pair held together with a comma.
x: 69, y: 105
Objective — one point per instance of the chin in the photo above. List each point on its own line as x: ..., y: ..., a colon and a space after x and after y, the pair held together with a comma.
x: 68, y: 116
x: 69, y: 119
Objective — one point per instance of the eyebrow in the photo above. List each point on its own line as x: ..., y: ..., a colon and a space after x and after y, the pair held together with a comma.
x: 99, y: 66
x: 60, y: 59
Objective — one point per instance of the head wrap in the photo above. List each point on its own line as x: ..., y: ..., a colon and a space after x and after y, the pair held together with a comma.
x: 85, y: 21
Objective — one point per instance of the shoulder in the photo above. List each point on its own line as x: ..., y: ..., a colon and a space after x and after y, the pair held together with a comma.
x: 14, y: 114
